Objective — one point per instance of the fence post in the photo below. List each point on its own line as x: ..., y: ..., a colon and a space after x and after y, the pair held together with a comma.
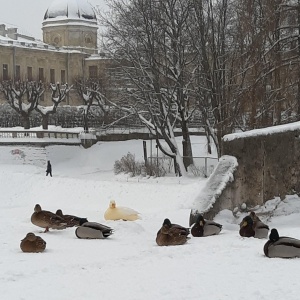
x: 145, y: 152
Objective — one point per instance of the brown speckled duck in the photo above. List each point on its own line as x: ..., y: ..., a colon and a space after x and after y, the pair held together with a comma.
x: 47, y: 219
x: 204, y: 227
x: 71, y: 220
x: 32, y: 243
x: 172, y: 234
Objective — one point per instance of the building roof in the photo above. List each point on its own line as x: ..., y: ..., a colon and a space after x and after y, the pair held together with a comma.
x: 70, y: 9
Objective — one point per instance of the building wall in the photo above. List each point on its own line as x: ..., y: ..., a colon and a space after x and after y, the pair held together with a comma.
x: 75, y: 37
x: 72, y: 64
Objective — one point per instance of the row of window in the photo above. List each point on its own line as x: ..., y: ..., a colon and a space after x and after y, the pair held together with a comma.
x: 93, y: 73
x: 29, y: 76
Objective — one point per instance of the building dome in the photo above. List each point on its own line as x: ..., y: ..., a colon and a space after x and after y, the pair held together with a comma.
x: 71, y: 24
x: 70, y: 9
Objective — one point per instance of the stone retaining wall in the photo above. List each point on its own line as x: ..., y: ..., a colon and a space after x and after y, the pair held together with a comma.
x: 268, y: 166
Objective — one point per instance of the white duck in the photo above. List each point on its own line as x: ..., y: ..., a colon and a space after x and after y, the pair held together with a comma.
x: 120, y: 213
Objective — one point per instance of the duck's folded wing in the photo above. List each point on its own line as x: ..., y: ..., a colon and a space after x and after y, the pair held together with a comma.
x: 127, y: 210
x: 97, y: 226
x: 288, y: 241
x: 208, y: 222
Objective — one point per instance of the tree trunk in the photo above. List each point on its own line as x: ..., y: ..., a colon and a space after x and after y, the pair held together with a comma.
x: 45, y: 121
x: 85, y: 123
x: 207, y: 134
x: 186, y: 146
x: 25, y: 121
x: 298, y: 85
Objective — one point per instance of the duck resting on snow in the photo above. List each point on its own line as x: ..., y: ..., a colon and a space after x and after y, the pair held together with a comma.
x: 252, y: 226
x: 70, y: 219
x: 172, y: 234
x: 204, y: 227
x: 283, y: 247
x: 32, y: 243
x: 93, y: 230
x: 46, y: 219
x: 115, y: 212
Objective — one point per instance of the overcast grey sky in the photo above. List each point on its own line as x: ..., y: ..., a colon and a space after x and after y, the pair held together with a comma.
x: 28, y: 14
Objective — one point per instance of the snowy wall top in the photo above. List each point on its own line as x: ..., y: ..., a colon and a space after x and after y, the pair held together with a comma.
x: 70, y: 9
x: 263, y: 131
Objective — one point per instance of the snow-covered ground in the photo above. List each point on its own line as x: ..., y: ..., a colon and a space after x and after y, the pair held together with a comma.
x: 129, y: 264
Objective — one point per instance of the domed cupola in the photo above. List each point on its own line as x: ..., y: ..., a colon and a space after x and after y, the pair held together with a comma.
x: 71, y: 24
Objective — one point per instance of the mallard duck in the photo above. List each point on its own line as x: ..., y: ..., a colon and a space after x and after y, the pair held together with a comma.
x: 71, y: 220
x: 120, y: 213
x: 251, y: 228
x: 32, y: 243
x: 254, y: 217
x: 172, y: 234
x: 47, y: 219
x: 261, y: 229
x: 284, y: 247
x: 93, y: 230
x: 205, y: 227
x: 246, y: 227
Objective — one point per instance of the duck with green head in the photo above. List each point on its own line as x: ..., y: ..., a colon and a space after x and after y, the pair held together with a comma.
x: 204, y: 227
x: 282, y: 247
x: 252, y: 226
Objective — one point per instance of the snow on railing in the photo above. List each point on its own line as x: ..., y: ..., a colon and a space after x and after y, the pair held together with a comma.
x: 27, y: 134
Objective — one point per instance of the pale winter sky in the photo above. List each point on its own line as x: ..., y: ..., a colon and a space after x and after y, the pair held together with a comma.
x: 28, y: 15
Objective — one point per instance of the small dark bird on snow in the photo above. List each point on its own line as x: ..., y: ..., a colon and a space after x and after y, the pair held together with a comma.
x: 70, y: 219
x: 204, y: 227
x: 252, y: 226
x: 47, y: 219
x: 283, y: 247
x: 93, y: 230
x: 32, y: 243
x: 172, y: 234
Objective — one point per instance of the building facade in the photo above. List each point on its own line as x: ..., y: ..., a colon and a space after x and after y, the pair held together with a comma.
x: 68, y: 50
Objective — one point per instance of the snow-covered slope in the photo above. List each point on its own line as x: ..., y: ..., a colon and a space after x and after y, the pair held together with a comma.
x: 129, y: 264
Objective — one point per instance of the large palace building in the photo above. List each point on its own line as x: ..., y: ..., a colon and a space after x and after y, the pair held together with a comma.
x: 68, y: 51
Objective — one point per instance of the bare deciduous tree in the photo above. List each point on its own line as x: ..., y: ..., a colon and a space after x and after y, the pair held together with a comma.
x: 149, y: 40
x: 23, y: 97
x: 58, y: 94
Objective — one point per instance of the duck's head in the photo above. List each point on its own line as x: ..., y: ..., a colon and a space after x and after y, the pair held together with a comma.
x: 200, y: 220
x: 37, y: 208
x: 59, y: 212
x: 274, y: 235
x: 167, y: 222
x: 30, y: 237
x: 112, y: 204
x: 247, y: 221
x: 82, y: 221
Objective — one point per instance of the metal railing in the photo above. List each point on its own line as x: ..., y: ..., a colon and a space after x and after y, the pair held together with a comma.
x: 28, y: 134
x: 203, y: 165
